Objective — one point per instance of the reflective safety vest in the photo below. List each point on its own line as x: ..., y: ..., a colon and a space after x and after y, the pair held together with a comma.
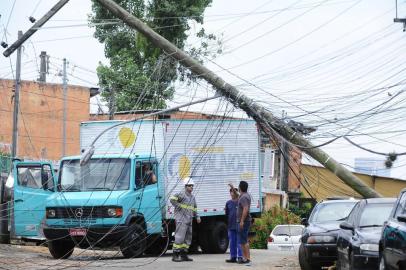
x: 185, y: 207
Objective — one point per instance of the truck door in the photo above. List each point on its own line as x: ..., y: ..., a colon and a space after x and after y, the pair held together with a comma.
x: 147, y: 193
x: 33, y: 183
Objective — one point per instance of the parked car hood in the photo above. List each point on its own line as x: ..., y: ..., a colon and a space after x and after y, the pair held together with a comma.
x: 370, y: 235
x: 323, y: 227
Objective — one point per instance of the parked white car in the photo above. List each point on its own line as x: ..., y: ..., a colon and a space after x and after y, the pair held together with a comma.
x: 285, y: 238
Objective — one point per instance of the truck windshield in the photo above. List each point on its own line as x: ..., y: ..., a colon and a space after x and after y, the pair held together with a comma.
x: 97, y: 174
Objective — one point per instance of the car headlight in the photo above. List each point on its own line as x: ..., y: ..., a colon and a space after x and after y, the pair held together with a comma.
x: 369, y: 247
x: 321, y: 239
x: 51, y: 213
x: 115, y: 212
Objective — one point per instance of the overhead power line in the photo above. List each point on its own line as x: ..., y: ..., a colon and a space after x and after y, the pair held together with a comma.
x: 237, y: 98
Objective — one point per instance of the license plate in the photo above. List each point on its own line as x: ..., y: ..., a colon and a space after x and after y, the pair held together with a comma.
x: 77, y: 232
x: 285, y: 247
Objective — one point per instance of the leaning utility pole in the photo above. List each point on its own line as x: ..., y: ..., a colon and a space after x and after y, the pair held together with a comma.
x: 65, y: 93
x: 16, y: 100
x: 257, y: 112
x: 34, y: 28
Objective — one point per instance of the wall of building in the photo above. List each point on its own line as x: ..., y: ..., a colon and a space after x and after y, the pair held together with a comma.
x: 271, y: 200
x: 295, y: 160
x: 321, y: 184
x: 41, y: 118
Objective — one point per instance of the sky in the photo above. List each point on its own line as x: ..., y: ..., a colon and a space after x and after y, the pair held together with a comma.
x: 336, y: 65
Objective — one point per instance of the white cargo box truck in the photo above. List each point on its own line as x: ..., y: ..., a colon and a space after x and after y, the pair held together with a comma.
x: 213, y: 152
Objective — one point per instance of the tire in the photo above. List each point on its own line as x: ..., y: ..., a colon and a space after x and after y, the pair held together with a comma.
x: 382, y: 263
x: 194, y: 248
x: 4, y: 233
x: 61, y: 249
x: 133, y: 244
x: 214, y: 239
x: 338, y: 262
x: 350, y: 261
x: 204, y: 242
x: 157, y: 247
x: 219, y: 238
x: 304, y: 264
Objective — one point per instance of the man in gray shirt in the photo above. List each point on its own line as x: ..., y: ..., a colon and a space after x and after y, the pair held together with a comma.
x: 244, y: 222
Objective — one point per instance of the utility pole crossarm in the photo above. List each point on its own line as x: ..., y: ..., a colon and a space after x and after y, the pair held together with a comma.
x: 239, y: 100
x: 34, y: 28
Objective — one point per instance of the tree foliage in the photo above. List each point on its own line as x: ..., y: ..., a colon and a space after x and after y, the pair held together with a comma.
x: 141, y: 75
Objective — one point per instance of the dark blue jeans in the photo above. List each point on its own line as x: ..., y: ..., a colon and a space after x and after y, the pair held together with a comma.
x: 235, y: 248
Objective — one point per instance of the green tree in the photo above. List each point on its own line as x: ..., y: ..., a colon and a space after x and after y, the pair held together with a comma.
x: 141, y: 75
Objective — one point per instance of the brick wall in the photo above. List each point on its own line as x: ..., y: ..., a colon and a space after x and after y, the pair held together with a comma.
x: 40, y: 121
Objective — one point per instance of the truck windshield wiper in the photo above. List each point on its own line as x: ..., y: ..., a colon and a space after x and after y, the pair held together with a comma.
x: 71, y: 188
x: 99, y: 188
x: 370, y: 226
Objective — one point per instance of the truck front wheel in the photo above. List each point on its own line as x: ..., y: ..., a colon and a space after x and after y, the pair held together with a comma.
x: 133, y: 243
x: 61, y: 249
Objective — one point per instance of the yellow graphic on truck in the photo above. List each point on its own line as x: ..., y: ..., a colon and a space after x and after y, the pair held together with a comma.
x: 127, y: 137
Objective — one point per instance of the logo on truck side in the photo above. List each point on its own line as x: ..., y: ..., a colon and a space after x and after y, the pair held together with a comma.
x: 214, y: 164
x: 79, y: 212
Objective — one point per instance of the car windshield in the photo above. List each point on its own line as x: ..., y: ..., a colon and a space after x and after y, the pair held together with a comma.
x: 288, y: 230
x: 375, y: 215
x: 327, y: 212
x: 97, y: 174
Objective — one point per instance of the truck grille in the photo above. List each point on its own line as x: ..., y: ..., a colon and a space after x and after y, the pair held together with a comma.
x: 79, y: 222
x: 78, y: 212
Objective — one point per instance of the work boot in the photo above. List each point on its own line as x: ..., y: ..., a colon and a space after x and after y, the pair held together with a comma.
x: 185, y: 257
x: 176, y: 256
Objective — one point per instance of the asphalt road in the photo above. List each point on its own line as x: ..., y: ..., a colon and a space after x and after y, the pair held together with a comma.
x: 32, y: 257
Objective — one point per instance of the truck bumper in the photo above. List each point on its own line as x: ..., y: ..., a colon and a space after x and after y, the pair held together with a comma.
x: 98, y: 236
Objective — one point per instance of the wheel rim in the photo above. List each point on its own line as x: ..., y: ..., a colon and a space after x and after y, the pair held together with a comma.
x: 135, y: 241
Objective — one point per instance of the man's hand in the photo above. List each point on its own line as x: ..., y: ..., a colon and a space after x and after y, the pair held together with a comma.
x: 198, y: 220
x: 241, y: 225
x: 231, y: 186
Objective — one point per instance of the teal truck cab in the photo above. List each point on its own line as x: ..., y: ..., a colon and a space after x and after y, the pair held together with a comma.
x: 108, y: 202
x: 112, y: 200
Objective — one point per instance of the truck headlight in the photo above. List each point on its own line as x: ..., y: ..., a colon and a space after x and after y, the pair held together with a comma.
x: 115, y: 212
x: 51, y: 213
x: 369, y: 247
x: 321, y: 239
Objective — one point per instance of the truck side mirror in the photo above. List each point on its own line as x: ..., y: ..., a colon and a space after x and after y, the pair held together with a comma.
x: 402, y: 218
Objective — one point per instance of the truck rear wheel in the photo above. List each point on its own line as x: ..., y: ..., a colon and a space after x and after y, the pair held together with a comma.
x: 133, y: 244
x: 215, y: 239
x: 219, y: 239
x: 61, y: 249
